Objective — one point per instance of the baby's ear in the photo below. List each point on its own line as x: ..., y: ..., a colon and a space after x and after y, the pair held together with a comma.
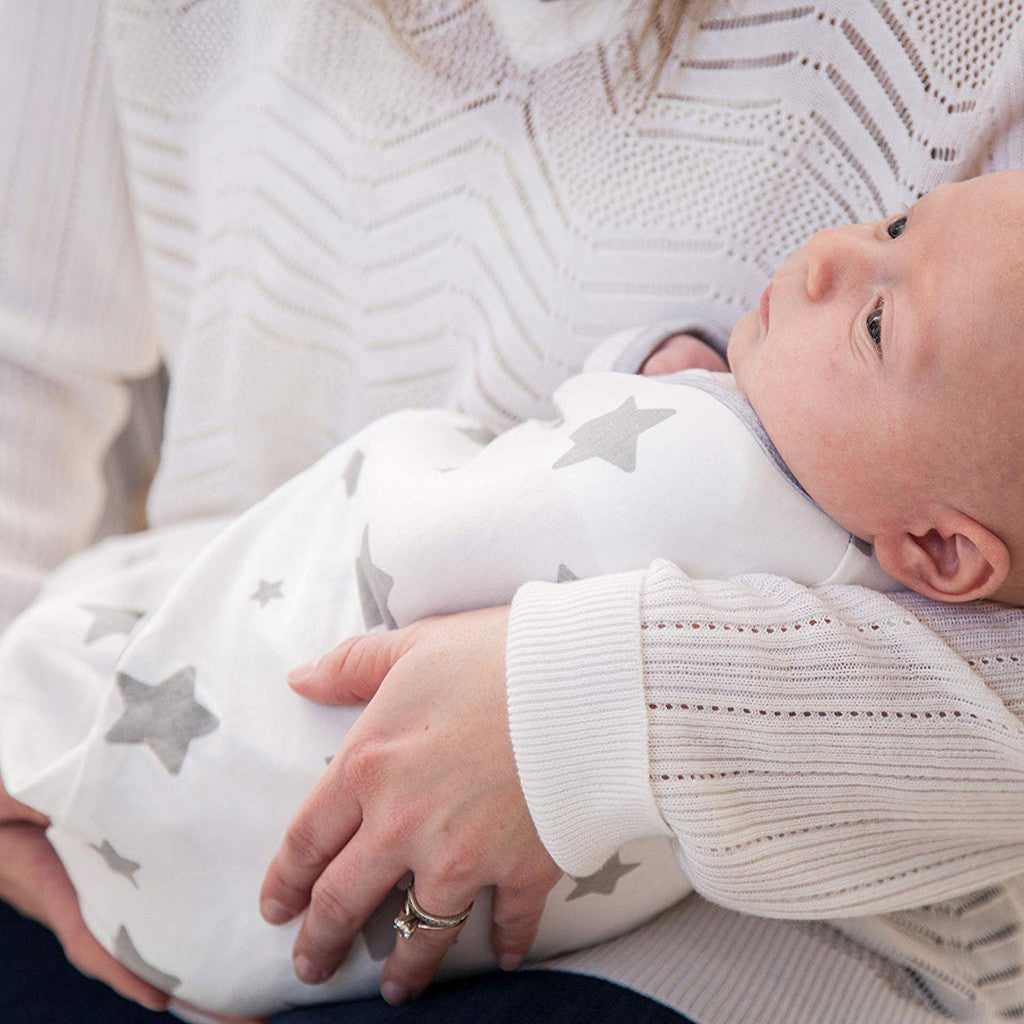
x: 954, y: 559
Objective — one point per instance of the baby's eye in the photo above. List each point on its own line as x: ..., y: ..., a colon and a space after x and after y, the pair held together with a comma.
x: 874, y: 326
x: 895, y: 229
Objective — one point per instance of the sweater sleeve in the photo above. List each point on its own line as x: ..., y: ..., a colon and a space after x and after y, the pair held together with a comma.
x: 626, y: 351
x: 74, y: 321
x: 815, y: 752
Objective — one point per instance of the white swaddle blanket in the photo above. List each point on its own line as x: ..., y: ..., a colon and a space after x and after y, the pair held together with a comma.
x: 171, y: 760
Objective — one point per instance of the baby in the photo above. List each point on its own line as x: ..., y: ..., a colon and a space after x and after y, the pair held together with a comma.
x: 886, y: 362
x: 874, y: 384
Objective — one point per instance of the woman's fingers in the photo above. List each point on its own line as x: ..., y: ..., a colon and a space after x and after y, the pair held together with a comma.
x: 325, y: 822
x: 414, y: 960
x: 426, y: 780
x: 354, y: 669
x: 346, y: 894
x: 33, y: 880
x: 92, y: 960
x: 516, y: 913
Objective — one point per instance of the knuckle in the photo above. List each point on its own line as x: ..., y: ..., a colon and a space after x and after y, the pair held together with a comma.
x: 521, y: 884
x: 363, y: 766
x: 514, y: 918
x: 327, y: 902
x: 457, y: 865
x: 399, y: 825
x: 355, y: 656
x: 302, y: 847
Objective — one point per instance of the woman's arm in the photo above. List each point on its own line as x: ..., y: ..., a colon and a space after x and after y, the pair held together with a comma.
x: 74, y: 324
x: 816, y: 752
x: 74, y: 321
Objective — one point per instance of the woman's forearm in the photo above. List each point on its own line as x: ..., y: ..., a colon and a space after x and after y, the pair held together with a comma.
x: 816, y: 753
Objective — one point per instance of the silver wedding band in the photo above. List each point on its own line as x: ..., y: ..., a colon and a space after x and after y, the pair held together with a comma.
x: 413, y: 916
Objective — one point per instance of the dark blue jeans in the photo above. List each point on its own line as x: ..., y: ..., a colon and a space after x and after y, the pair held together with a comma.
x: 38, y: 986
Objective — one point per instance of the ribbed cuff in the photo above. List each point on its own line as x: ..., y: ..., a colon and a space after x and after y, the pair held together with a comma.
x: 578, y: 717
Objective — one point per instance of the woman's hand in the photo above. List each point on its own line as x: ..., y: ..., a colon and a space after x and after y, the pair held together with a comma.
x: 425, y: 780
x: 34, y: 882
x: 683, y: 352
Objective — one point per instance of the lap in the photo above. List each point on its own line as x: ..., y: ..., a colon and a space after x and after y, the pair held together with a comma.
x: 523, y: 997
x: 38, y: 986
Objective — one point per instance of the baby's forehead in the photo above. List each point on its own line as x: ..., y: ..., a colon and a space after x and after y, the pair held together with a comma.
x: 960, y: 295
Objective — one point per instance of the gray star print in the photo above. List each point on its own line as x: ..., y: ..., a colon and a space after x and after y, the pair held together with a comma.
x: 110, y: 620
x: 125, y: 951
x: 351, y: 474
x: 118, y: 864
x: 266, y: 592
x: 166, y: 717
x: 602, y: 881
x: 374, y: 587
x: 481, y: 435
x: 565, y: 574
x: 613, y: 436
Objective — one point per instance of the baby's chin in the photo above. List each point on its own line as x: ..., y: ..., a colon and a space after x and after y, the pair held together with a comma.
x: 745, y: 335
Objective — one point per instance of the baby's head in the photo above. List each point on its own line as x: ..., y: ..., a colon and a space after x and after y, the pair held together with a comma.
x: 887, y: 364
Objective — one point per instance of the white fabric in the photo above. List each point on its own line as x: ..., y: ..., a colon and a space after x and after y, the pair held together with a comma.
x: 415, y: 515
x: 312, y: 229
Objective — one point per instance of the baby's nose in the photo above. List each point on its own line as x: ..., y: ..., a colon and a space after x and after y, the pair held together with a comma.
x: 836, y: 259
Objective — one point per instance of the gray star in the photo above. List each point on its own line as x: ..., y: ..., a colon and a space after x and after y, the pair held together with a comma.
x: 613, y: 436
x: 118, y: 864
x: 602, y: 881
x: 266, y: 592
x: 166, y: 717
x: 481, y: 435
x: 125, y: 951
x: 110, y: 620
x: 374, y: 587
x: 565, y: 574
x: 351, y: 474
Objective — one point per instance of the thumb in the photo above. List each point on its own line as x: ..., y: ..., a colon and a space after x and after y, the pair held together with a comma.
x: 353, y: 670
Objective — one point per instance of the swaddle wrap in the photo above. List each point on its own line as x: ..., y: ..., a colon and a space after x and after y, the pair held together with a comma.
x: 172, y: 763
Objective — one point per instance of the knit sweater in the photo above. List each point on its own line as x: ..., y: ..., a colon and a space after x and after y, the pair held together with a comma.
x: 311, y: 223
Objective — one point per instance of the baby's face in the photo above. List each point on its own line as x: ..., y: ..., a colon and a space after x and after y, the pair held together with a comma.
x: 881, y: 350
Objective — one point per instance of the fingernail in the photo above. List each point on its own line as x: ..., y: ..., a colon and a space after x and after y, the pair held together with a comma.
x: 297, y: 675
x: 393, y: 993
x: 309, y: 972
x: 509, y: 961
x: 274, y: 912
